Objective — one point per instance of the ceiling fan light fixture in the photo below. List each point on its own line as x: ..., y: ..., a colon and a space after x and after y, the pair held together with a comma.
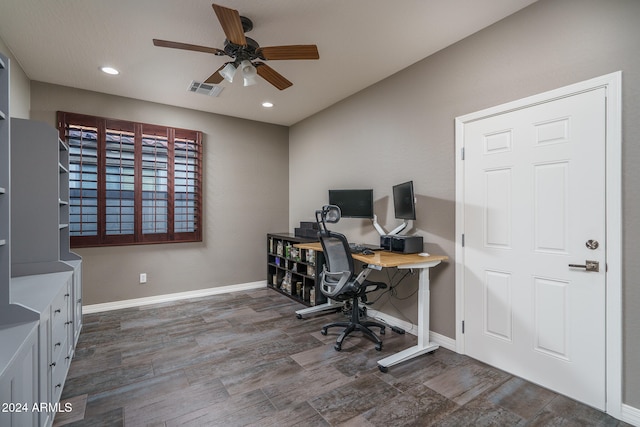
x: 228, y: 72
x: 250, y: 80
x: 248, y: 70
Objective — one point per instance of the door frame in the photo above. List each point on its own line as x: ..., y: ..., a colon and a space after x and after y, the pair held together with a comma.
x: 613, y: 214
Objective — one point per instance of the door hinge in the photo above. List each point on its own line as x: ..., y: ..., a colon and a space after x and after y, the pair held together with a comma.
x: 463, y: 240
x: 463, y: 326
x: 462, y: 153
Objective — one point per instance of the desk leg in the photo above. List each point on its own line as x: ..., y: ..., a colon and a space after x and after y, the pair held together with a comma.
x: 424, y: 346
x: 329, y: 305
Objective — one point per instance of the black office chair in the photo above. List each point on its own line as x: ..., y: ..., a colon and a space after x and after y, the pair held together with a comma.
x: 339, y: 282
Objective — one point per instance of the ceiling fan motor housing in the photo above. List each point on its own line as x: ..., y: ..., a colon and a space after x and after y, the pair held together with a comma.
x: 241, y: 53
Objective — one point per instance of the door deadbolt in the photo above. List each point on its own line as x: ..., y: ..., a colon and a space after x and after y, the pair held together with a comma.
x: 588, y: 266
x: 592, y: 244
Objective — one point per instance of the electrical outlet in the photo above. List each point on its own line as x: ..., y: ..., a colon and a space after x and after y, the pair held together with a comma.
x: 143, y: 277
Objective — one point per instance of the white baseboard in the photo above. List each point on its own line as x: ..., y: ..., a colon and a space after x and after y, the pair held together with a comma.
x: 630, y: 415
x: 137, y: 302
x: 441, y: 340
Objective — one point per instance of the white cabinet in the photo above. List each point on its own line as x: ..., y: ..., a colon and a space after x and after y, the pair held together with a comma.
x: 19, y: 375
x: 76, y: 302
x: 50, y: 296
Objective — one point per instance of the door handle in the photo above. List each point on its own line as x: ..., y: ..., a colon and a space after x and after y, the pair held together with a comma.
x: 588, y: 265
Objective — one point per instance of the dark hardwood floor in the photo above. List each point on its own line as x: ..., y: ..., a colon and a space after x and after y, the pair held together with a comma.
x: 245, y: 359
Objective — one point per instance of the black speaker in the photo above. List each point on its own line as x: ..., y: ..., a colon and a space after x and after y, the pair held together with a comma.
x: 406, y: 244
x: 385, y: 242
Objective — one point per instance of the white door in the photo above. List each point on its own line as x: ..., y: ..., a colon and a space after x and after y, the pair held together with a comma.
x: 534, y: 203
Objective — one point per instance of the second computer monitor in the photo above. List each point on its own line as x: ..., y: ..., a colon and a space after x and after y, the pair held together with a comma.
x: 404, y: 201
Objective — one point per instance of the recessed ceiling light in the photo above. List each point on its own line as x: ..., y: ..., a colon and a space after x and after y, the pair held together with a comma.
x: 267, y: 104
x: 110, y: 70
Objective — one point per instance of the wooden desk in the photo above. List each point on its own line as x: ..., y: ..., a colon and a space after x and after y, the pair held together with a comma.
x: 402, y: 261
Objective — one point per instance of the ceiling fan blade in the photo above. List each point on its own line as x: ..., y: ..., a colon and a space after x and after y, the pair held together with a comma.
x: 272, y: 76
x: 187, y: 46
x: 298, y: 51
x: 216, y: 77
x: 231, y: 24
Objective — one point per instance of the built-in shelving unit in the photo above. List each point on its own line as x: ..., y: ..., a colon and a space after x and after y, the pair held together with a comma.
x: 40, y: 278
x: 19, y: 326
x: 46, y: 275
x: 292, y: 271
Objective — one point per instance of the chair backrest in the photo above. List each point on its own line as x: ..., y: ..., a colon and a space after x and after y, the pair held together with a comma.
x: 336, y: 252
x: 338, y: 271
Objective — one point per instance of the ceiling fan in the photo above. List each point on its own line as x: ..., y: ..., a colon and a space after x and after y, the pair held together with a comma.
x: 246, y: 53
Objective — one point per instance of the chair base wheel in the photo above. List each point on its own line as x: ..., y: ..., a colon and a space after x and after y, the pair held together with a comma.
x: 337, y: 347
x: 323, y: 332
x: 379, y: 347
x: 383, y: 369
x: 382, y: 331
x: 299, y: 316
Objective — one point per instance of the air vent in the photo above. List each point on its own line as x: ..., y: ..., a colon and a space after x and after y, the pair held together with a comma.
x: 205, y: 88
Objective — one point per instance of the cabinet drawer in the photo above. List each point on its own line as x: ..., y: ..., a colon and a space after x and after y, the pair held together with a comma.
x: 59, y: 322
x: 59, y: 370
x: 58, y: 328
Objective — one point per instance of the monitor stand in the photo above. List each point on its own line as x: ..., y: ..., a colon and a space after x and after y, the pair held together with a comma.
x: 393, y: 232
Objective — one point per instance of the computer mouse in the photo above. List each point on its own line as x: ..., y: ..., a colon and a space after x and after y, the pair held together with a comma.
x: 424, y: 254
x: 367, y: 252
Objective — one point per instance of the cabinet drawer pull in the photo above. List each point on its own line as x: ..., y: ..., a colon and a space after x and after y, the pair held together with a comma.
x: 59, y: 386
x: 57, y: 344
x: 52, y: 364
x: 57, y: 311
x: 66, y: 295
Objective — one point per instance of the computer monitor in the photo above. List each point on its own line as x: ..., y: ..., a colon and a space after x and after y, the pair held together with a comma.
x: 404, y: 201
x: 353, y: 203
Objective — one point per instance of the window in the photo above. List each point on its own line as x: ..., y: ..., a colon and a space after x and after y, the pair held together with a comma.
x: 131, y: 183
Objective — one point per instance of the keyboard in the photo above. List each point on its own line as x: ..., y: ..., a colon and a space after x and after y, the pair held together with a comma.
x: 356, y: 248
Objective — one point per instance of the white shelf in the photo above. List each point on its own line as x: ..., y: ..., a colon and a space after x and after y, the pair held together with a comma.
x: 61, y: 226
x: 63, y: 145
x: 62, y: 168
x: 62, y: 202
x: 3, y: 242
x: 2, y: 115
x: 2, y: 190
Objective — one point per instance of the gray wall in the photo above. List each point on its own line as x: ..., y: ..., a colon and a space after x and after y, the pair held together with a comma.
x: 18, y: 86
x: 245, y: 181
x: 403, y: 128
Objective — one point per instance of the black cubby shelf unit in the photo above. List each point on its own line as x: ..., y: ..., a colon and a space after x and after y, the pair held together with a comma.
x: 293, y: 271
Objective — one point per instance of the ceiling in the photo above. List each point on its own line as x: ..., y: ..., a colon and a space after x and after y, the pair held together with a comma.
x: 360, y: 42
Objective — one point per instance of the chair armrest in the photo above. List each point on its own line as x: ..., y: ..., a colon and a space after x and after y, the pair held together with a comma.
x: 333, y: 282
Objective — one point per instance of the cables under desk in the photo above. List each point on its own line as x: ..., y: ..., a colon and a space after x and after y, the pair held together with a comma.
x: 391, y: 290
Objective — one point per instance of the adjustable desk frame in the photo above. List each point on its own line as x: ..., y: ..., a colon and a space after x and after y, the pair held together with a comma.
x: 401, y: 261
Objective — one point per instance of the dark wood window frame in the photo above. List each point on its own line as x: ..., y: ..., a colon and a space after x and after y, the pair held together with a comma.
x: 180, y: 204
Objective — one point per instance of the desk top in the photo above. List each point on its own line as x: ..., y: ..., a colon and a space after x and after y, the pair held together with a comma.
x: 385, y: 258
